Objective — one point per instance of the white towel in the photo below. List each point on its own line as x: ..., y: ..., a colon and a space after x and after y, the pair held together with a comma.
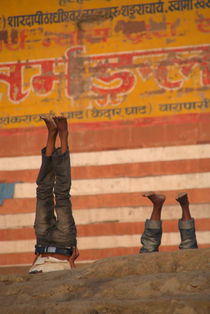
x: 47, y: 264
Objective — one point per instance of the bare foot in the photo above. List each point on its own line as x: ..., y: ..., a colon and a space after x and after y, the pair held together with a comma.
x: 157, y: 199
x: 52, y: 128
x: 52, y: 134
x: 62, y: 126
x: 182, y: 198
x: 61, y: 123
x: 74, y: 256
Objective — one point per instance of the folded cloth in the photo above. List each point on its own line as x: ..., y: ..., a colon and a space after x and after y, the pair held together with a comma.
x: 48, y: 264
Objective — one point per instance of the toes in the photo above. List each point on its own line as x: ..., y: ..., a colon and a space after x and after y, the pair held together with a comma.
x: 51, y: 125
x: 43, y: 117
x: 59, y: 119
x: 182, y: 194
x: 182, y: 197
x: 155, y: 198
x: 162, y: 196
x: 148, y: 194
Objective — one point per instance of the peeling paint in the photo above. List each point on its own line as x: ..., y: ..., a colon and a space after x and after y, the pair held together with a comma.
x: 154, y: 92
x: 14, y: 36
x: 4, y: 36
x: 157, y: 26
x: 130, y: 27
x: 81, y: 58
x: 97, y: 18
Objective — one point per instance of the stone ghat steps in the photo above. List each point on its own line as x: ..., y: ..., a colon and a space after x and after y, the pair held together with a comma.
x: 166, y: 282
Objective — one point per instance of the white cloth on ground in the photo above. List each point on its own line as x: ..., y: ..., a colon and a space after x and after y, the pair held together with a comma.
x: 48, y: 264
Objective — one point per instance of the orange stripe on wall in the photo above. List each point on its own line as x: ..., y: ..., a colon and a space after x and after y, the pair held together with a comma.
x: 17, y: 234
x: 18, y: 206
x: 135, y: 199
x: 19, y: 176
x: 151, y: 132
x: 17, y: 258
x: 85, y: 255
x: 142, y: 169
x: 15, y: 206
x: 114, y: 228
x: 118, y: 170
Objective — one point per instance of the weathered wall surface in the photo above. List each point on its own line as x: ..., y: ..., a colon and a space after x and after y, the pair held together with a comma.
x: 132, y: 78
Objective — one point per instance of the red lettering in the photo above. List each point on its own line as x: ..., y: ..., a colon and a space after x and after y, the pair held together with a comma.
x: 97, y: 35
x: 162, y: 73
x: 206, y: 70
x: 203, y: 25
x: 14, y: 81
x: 43, y: 83
x: 125, y: 81
x: 60, y: 39
x: 17, y: 40
x: 145, y: 70
x: 189, y: 64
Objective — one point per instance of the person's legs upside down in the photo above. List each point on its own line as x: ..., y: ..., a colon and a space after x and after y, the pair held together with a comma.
x: 151, y: 238
x: 65, y: 232
x: 55, y: 237
x: 186, y: 224
x: 45, y: 218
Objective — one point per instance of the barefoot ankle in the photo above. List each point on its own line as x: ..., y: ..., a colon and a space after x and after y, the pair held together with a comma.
x: 157, y: 201
x: 52, y: 134
x: 182, y: 199
x: 62, y: 126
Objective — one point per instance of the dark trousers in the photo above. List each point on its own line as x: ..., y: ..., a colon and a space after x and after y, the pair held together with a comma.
x: 151, y: 238
x: 54, y: 224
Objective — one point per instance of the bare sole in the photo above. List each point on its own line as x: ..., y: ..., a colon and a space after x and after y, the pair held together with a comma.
x: 182, y: 197
x: 155, y: 198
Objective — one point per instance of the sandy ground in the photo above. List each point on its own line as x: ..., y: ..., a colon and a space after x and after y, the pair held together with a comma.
x: 173, y: 282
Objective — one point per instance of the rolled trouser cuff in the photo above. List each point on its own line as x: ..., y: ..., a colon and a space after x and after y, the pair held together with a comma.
x: 43, y: 151
x: 186, y: 224
x: 58, y: 157
x: 153, y: 224
x: 151, y: 238
x: 187, y: 233
x: 44, y: 157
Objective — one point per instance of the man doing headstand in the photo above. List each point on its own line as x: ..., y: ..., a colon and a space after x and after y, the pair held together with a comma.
x: 56, y: 246
x: 151, y: 238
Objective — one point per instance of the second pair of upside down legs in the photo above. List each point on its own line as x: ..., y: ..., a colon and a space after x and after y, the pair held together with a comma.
x: 151, y: 238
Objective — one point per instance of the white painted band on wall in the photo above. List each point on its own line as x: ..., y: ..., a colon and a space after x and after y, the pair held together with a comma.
x: 114, y: 157
x: 103, y: 215
x: 125, y: 185
x: 102, y: 242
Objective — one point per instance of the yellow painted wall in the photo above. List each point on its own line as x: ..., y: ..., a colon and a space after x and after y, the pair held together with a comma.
x: 103, y: 60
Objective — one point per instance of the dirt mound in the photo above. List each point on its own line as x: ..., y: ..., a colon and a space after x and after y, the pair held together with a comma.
x: 172, y: 282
